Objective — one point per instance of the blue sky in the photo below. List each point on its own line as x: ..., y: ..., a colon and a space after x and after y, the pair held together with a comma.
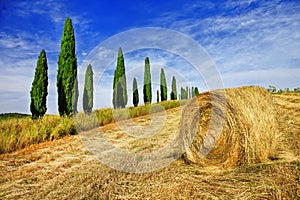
x: 251, y: 42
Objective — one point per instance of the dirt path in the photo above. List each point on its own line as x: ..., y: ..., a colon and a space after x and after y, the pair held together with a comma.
x: 64, y: 169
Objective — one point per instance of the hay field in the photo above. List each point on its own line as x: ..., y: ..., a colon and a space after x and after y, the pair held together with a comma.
x: 64, y: 169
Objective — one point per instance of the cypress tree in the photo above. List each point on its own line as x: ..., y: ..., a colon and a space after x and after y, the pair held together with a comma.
x: 67, y: 85
x: 184, y: 93
x: 114, y: 100
x: 120, y: 77
x: 163, y: 85
x: 147, y: 91
x: 193, y: 92
x: 39, y: 87
x: 157, y: 96
x: 120, y: 97
x: 174, y: 90
x: 196, y: 91
x: 187, y: 92
x: 88, y: 90
x: 135, y: 93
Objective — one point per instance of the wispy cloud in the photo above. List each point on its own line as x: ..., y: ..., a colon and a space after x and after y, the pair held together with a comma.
x: 247, y: 36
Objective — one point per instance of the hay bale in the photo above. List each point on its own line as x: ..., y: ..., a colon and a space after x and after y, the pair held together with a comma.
x: 228, y: 128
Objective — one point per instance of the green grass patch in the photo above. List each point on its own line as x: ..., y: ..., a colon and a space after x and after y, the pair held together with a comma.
x: 18, y: 130
x: 105, y: 116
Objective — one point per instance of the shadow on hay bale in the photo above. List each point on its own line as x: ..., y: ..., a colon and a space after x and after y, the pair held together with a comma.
x: 230, y: 127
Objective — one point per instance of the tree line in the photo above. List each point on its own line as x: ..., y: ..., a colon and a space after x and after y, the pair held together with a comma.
x: 274, y: 90
x: 120, y: 98
x: 67, y: 83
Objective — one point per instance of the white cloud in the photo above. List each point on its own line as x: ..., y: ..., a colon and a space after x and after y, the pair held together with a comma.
x: 241, y: 39
x: 263, y: 78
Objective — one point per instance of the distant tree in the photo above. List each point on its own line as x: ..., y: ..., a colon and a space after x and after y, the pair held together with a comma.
x: 196, y: 91
x: 174, y: 90
x: 157, y: 96
x: 184, y: 93
x: 163, y: 86
x: 187, y: 92
x: 88, y: 90
x: 135, y: 93
x: 280, y: 91
x: 297, y: 89
x: 67, y: 85
x: 193, y: 92
x: 272, y: 89
x: 147, y: 91
x: 120, y: 77
x: 39, y: 87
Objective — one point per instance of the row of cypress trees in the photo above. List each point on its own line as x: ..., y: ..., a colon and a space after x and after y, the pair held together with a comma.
x: 120, y: 89
x: 67, y: 85
x: 187, y: 93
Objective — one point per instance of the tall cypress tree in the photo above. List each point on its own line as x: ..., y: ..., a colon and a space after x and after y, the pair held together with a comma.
x: 39, y: 87
x: 184, y: 93
x: 88, y: 90
x: 135, y: 93
x: 120, y: 97
x: 157, y: 96
x: 174, y: 90
x: 193, y: 92
x: 147, y: 91
x: 196, y: 91
x: 120, y: 77
x: 67, y: 85
x: 163, y: 86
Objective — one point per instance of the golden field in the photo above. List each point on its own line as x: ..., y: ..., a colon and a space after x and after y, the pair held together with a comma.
x: 65, y: 169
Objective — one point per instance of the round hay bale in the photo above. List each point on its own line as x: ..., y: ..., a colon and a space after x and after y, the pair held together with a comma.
x: 230, y: 127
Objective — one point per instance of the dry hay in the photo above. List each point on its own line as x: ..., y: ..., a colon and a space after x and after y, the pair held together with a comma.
x: 230, y: 127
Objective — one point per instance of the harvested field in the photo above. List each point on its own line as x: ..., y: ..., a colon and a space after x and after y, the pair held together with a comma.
x: 64, y: 169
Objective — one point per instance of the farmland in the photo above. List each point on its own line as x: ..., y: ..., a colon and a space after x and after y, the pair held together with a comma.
x: 65, y: 169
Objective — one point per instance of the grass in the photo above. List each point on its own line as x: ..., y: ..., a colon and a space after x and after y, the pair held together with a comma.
x: 105, y: 116
x: 18, y: 130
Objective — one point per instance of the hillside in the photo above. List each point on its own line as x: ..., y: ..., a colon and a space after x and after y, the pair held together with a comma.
x: 64, y: 169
